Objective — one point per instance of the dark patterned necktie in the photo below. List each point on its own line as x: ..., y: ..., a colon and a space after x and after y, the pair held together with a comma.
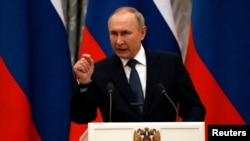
x: 135, y: 84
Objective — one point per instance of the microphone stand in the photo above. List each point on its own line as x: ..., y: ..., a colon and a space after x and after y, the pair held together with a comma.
x: 110, y: 88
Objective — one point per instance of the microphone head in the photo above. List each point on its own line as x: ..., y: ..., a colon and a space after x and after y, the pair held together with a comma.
x: 110, y: 87
x: 161, y: 88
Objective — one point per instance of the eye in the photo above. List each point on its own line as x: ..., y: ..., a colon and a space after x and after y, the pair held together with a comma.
x: 113, y: 33
x: 124, y: 33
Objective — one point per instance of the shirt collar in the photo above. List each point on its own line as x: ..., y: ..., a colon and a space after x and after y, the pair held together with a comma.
x: 140, y: 57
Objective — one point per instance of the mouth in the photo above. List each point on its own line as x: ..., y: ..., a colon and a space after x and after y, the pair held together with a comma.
x: 121, y: 49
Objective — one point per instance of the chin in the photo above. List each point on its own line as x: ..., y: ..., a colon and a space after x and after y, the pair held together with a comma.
x: 122, y: 55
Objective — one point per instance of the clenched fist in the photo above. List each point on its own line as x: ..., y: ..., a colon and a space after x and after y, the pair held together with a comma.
x: 84, y: 68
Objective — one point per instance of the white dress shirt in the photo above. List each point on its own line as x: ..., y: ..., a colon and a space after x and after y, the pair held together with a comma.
x: 140, y: 67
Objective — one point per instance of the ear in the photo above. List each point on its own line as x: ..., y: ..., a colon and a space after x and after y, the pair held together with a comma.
x: 143, y: 32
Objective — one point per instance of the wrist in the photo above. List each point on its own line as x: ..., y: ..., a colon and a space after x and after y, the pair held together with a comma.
x: 80, y: 82
x: 83, y: 87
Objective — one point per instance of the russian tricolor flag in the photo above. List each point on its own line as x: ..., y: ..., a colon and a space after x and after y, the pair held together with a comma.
x: 217, y: 58
x: 36, y: 78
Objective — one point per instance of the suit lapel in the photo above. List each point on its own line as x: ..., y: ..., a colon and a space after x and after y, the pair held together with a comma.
x: 119, y: 78
x: 153, y: 76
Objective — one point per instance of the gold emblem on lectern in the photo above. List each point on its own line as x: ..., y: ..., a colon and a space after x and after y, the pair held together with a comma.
x: 146, y: 135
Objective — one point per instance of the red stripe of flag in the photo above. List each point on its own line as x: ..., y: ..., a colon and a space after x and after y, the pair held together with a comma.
x: 219, y: 108
x: 16, y: 122
x: 90, y: 46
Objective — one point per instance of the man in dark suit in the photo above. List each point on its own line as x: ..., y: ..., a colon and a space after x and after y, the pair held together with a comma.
x: 167, y: 89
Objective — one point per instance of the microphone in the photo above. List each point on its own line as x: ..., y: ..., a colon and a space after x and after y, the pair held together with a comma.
x: 162, y: 89
x: 110, y: 88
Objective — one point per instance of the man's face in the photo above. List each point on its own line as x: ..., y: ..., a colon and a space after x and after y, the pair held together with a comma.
x: 125, y: 35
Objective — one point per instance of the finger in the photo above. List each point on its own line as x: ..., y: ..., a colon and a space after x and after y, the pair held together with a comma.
x: 85, y: 64
x: 81, y: 66
x: 85, y: 55
x: 88, y: 58
x: 78, y: 67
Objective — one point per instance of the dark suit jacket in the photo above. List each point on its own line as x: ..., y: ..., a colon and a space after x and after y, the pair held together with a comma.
x: 162, y: 67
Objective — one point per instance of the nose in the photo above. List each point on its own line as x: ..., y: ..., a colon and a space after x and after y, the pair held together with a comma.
x: 119, y: 40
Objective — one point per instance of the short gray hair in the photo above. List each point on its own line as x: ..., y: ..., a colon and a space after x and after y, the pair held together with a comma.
x: 138, y: 15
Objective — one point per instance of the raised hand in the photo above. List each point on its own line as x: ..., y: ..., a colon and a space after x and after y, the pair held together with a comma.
x: 84, y: 69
